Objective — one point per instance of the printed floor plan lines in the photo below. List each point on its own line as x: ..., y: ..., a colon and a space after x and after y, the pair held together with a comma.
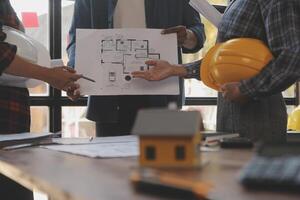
x: 131, y: 54
x: 109, y: 56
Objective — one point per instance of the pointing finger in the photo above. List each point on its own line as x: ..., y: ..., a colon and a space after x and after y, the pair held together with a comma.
x: 151, y: 62
x: 139, y: 75
x: 75, y: 77
x: 69, y: 69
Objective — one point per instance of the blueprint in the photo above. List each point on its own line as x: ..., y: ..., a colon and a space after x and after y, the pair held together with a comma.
x: 109, y: 56
x: 104, y: 147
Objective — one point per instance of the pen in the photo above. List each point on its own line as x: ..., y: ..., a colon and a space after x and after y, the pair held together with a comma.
x: 89, y: 79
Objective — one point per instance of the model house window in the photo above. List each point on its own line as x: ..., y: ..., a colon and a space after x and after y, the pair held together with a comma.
x: 150, y: 153
x: 180, y: 152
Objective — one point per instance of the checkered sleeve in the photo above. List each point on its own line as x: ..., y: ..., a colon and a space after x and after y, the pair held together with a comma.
x: 282, y: 25
x: 7, y: 52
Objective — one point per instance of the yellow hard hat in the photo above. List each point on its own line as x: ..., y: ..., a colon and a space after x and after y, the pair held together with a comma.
x: 233, y: 61
x: 294, y: 120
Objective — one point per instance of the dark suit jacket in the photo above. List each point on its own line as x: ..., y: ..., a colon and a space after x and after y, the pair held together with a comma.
x: 98, y: 14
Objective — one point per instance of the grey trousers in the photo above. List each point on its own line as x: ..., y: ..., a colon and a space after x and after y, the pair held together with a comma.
x: 264, y: 119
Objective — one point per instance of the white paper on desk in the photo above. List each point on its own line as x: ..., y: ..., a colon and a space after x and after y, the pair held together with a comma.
x: 97, y: 140
x: 23, y: 136
x: 112, y: 147
x: 110, y: 55
x: 208, y: 11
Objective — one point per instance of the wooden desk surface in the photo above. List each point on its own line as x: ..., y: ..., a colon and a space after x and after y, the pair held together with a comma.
x: 65, y: 177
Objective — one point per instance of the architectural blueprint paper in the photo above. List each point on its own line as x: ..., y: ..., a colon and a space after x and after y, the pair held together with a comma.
x: 110, y: 147
x: 110, y: 55
x: 96, y: 140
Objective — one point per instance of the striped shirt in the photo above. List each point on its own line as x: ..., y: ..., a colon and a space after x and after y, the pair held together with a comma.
x: 14, y: 104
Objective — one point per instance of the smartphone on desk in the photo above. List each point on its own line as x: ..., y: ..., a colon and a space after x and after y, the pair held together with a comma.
x: 236, y: 142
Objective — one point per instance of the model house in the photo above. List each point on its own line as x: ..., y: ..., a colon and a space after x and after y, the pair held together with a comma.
x: 168, y: 138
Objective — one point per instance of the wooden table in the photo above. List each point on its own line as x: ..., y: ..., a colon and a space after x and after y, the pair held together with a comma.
x: 68, y: 177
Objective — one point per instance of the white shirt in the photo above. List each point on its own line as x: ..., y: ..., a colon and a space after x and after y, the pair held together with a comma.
x: 130, y: 14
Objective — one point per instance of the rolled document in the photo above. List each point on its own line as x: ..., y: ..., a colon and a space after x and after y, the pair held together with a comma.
x: 207, y: 10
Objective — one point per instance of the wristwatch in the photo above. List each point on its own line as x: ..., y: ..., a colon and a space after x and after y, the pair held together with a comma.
x: 193, y: 69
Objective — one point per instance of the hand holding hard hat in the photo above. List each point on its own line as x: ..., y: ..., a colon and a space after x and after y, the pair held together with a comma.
x: 231, y: 92
x: 233, y: 61
x: 32, y: 60
x: 28, y: 49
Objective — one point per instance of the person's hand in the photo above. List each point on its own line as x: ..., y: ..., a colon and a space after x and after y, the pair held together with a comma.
x: 185, y: 36
x: 62, y: 78
x: 231, y: 92
x: 73, y: 92
x: 181, y: 31
x: 160, y: 70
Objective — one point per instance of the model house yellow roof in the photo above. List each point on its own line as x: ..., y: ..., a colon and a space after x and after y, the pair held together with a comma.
x: 163, y: 122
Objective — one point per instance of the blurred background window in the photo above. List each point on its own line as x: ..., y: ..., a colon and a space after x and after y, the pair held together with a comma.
x: 39, y: 119
x: 74, y: 123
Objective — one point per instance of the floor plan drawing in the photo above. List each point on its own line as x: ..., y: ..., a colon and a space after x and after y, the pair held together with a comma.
x: 115, y: 53
x: 130, y: 54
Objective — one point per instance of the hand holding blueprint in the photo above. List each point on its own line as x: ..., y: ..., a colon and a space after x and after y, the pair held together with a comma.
x: 110, y: 55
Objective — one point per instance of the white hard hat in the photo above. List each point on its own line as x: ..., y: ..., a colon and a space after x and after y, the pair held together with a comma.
x: 29, y: 49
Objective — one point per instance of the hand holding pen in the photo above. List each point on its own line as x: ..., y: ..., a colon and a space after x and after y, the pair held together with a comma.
x: 73, y: 92
x: 88, y: 79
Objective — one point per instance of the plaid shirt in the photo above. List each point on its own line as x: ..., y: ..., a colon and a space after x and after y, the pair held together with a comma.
x: 9, y: 18
x: 277, y: 24
x: 14, y: 106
